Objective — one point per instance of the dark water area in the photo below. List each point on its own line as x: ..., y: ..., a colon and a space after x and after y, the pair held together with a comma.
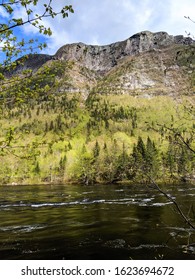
x: 95, y: 222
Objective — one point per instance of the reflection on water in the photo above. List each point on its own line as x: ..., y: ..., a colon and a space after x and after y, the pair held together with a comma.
x: 94, y: 222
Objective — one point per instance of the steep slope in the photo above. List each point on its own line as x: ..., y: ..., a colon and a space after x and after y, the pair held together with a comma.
x: 76, y: 116
x: 169, y: 70
x: 103, y: 58
x: 146, y: 63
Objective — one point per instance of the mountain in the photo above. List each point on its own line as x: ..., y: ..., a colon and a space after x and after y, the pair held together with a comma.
x: 146, y: 63
x: 121, y: 112
x: 103, y: 58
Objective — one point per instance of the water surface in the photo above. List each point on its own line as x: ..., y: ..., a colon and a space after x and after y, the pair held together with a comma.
x: 95, y: 222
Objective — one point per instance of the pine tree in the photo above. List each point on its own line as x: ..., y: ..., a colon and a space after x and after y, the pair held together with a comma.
x: 106, y: 123
x: 170, y: 158
x: 141, y: 147
x: 62, y: 163
x: 184, y: 162
x: 150, y: 151
x: 88, y: 132
x: 137, y: 157
x: 105, y: 147
x: 38, y: 111
x: 69, y: 146
x: 36, y: 169
x: 123, y: 169
x: 46, y: 127
x: 96, y: 150
x: 152, y: 159
x: 51, y: 127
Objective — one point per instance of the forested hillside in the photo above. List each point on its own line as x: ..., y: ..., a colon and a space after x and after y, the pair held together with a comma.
x: 67, y: 122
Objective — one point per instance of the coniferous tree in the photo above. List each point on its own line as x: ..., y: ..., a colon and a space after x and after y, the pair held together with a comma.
x: 105, y: 146
x: 51, y: 127
x: 141, y: 148
x: 96, y: 150
x: 139, y: 160
x: 185, y: 162
x: 36, y: 169
x: 88, y: 132
x: 62, y: 165
x: 171, y: 159
x: 46, y: 127
x: 123, y: 169
x: 106, y: 123
x: 69, y: 146
x: 152, y: 158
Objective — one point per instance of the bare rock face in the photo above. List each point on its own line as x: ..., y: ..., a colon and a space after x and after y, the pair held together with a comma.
x: 146, y: 63
x: 103, y: 58
x: 163, y: 71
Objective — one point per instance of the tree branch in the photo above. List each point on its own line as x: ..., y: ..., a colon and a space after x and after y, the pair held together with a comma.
x: 174, y: 202
x: 48, y: 12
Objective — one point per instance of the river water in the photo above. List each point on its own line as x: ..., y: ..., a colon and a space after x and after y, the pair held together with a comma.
x: 95, y: 222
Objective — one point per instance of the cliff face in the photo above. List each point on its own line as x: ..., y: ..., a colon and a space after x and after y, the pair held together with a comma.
x: 170, y: 70
x: 103, y: 58
x: 146, y: 63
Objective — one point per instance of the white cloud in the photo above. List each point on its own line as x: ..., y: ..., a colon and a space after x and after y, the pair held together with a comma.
x: 3, y: 13
x: 106, y: 21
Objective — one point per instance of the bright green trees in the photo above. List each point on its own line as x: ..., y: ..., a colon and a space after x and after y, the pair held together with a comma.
x: 82, y: 169
x: 12, y: 45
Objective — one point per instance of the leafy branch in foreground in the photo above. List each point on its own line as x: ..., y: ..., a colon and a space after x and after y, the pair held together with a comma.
x: 11, y: 46
x: 28, y: 151
x: 14, y: 15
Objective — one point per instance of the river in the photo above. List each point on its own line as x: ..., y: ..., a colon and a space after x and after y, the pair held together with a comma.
x: 95, y: 222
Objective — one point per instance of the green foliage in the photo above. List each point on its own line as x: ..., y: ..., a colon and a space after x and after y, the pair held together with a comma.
x: 58, y: 136
x: 61, y: 138
x: 12, y: 45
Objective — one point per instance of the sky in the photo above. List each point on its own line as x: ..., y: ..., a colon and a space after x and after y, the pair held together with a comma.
x: 101, y: 22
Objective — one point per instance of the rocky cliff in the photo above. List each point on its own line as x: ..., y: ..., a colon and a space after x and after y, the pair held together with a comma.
x: 146, y: 63
x: 103, y: 58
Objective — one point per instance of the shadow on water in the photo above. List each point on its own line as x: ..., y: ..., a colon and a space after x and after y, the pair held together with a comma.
x: 94, y: 222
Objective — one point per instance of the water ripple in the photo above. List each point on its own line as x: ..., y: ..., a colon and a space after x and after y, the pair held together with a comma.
x: 86, y: 201
x: 26, y: 228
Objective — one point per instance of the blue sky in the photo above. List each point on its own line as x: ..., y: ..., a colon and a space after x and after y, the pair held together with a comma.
x: 107, y: 21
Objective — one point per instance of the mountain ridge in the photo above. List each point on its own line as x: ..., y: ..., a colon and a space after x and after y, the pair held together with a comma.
x: 146, y: 63
x: 103, y: 57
